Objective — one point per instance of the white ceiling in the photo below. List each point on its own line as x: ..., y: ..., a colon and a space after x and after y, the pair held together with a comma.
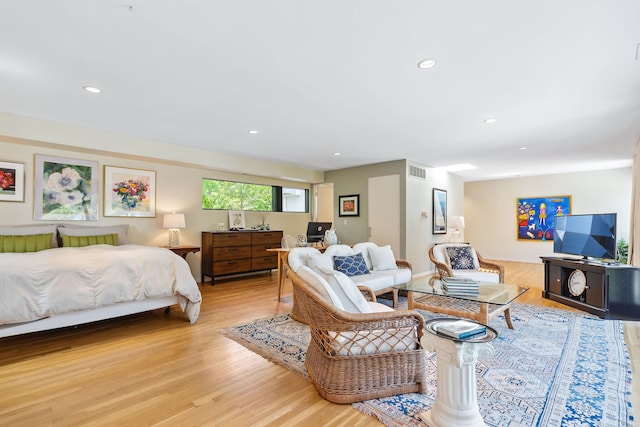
x: 318, y: 77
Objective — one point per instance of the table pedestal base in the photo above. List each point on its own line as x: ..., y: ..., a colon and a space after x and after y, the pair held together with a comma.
x: 456, y: 402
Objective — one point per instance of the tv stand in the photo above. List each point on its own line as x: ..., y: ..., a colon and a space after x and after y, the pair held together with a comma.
x: 612, y: 290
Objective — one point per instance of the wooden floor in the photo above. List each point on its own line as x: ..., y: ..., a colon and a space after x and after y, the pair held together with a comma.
x: 156, y: 369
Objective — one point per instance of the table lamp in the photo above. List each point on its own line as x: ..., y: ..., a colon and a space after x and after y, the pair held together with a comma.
x: 174, y: 222
x: 457, y: 223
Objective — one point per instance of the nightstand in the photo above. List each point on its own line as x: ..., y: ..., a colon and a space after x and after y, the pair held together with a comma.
x: 183, y: 250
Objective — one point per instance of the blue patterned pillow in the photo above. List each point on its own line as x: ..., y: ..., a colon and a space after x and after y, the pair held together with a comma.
x: 461, y: 258
x: 351, y: 265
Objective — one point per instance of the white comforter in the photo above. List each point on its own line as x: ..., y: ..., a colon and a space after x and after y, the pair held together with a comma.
x: 55, y: 281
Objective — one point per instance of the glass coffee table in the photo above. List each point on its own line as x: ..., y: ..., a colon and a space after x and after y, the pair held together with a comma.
x: 491, y: 300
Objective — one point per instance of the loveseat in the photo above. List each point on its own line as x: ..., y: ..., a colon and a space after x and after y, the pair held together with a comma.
x: 368, y: 265
x: 462, y: 260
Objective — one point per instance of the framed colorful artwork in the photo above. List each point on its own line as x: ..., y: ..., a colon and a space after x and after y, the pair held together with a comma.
x: 349, y: 205
x: 439, y: 211
x: 65, y: 189
x: 535, y: 216
x: 129, y: 192
x: 11, y: 182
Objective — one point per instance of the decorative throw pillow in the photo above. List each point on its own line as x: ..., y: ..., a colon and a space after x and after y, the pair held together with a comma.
x: 26, y: 230
x: 316, y: 261
x: 351, y: 265
x: 346, y: 289
x: 28, y: 243
x: 382, y: 258
x: 83, y: 230
x: 81, y: 241
x: 320, y: 285
x: 461, y: 257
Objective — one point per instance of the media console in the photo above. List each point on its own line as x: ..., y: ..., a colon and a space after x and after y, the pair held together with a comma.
x: 610, y: 291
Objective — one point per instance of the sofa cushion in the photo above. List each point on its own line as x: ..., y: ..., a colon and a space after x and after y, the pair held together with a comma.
x: 461, y: 258
x: 320, y: 285
x: 382, y: 258
x: 478, y: 275
x: 300, y: 256
x: 351, y: 265
x: 375, y: 281
x: 316, y: 261
x: 363, y: 248
x: 347, y: 291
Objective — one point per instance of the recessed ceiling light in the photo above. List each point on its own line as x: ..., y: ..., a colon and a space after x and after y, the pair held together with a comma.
x: 336, y: 153
x: 490, y: 121
x: 253, y: 132
x: 426, y: 63
x: 522, y: 148
x: 91, y: 89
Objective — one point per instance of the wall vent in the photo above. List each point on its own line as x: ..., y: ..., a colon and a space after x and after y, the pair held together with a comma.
x: 417, y: 172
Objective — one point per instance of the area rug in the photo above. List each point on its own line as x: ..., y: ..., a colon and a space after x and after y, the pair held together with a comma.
x: 557, y: 368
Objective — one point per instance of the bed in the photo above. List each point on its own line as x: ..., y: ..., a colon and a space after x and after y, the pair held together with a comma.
x: 63, y: 286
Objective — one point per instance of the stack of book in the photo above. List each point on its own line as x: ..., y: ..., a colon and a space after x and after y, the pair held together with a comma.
x: 460, y: 286
x: 461, y: 329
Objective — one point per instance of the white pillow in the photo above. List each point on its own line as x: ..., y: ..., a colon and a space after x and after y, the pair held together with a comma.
x: 28, y: 230
x: 317, y: 261
x: 82, y: 230
x: 316, y: 281
x: 347, y: 291
x: 382, y: 258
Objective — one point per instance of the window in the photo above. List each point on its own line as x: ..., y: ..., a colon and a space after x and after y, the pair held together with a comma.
x: 231, y: 195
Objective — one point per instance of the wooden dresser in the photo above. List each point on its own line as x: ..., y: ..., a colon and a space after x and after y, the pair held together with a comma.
x: 233, y: 252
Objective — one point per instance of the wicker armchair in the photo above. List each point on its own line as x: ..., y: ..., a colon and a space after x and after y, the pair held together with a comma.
x: 444, y: 270
x: 355, y: 357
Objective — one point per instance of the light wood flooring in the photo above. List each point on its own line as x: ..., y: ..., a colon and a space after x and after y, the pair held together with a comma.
x: 156, y: 369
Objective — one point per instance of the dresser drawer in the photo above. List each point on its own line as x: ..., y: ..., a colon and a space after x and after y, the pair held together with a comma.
x: 231, y: 252
x: 230, y: 267
x: 231, y: 239
x: 261, y: 250
x: 264, y: 237
x: 264, y: 263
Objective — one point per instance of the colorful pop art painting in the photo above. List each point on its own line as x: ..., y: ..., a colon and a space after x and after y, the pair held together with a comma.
x: 536, y: 216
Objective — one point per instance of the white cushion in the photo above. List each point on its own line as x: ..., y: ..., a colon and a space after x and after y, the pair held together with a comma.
x: 339, y: 250
x: 382, y: 258
x: 375, y: 281
x: 377, y: 307
x: 83, y: 230
x: 300, y: 256
x: 31, y: 229
x: 316, y: 281
x: 363, y: 248
x: 480, y: 276
x: 370, y: 342
x: 347, y: 291
x: 316, y: 261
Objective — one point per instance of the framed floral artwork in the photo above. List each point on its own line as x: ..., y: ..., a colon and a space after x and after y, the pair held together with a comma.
x: 129, y: 192
x: 11, y: 182
x: 65, y: 189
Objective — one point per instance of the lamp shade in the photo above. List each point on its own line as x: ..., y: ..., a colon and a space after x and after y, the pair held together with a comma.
x: 174, y: 220
x: 456, y: 222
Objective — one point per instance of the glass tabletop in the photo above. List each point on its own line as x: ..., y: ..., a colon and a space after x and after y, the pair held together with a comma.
x: 493, y: 293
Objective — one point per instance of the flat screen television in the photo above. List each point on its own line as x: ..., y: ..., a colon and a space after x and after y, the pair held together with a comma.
x: 315, y: 231
x: 592, y: 235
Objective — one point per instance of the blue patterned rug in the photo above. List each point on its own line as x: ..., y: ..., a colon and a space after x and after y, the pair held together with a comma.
x: 557, y: 368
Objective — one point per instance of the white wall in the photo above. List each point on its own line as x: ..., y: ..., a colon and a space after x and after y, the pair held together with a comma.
x: 490, y: 208
x: 178, y: 189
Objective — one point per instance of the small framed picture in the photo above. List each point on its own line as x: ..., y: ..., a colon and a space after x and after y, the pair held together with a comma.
x: 11, y: 182
x: 439, y: 211
x: 65, y: 189
x: 349, y: 205
x: 236, y: 220
x: 129, y: 192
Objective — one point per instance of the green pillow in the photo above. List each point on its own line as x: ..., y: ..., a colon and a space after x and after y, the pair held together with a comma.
x: 30, y: 243
x: 80, y: 241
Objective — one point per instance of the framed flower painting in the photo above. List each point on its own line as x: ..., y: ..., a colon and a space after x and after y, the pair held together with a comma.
x: 65, y: 189
x: 129, y: 192
x: 11, y: 182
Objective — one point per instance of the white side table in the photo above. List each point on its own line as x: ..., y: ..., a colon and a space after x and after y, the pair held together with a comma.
x: 456, y: 402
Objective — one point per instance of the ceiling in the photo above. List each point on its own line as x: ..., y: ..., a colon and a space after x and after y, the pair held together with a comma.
x: 318, y: 77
